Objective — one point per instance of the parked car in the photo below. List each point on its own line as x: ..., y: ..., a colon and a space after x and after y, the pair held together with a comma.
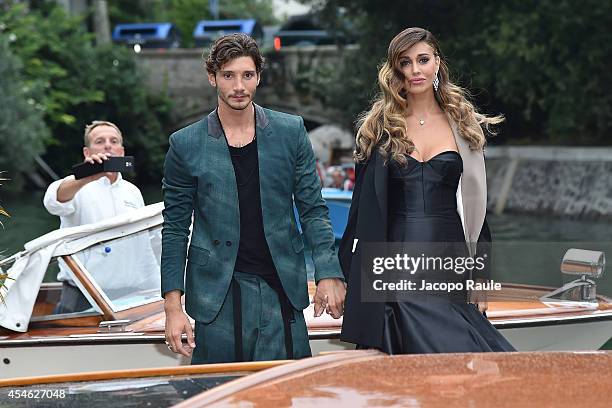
x: 306, y: 30
x: 207, y: 31
x: 148, y: 35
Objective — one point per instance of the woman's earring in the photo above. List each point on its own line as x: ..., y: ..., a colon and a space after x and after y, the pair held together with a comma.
x: 436, y: 82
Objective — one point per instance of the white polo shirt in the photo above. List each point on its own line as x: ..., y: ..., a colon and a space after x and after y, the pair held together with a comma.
x: 94, y: 202
x: 127, y: 263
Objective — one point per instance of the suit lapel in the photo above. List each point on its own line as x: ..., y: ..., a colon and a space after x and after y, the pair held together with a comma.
x: 214, y: 126
x: 218, y: 159
x: 263, y: 133
x: 473, y: 188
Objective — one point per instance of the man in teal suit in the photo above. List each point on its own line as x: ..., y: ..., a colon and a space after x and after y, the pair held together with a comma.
x: 236, y: 173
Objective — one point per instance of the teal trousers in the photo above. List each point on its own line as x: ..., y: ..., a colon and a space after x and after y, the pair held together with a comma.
x: 263, y: 335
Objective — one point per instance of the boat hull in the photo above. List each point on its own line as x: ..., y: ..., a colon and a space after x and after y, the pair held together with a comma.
x: 106, y: 353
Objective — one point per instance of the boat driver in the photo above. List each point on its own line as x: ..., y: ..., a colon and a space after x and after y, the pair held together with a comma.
x: 93, y: 199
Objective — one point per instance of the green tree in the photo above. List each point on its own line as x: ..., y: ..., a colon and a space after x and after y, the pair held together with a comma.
x: 22, y: 128
x: 544, y: 64
x: 553, y: 62
x: 56, y: 51
x: 3, y: 275
x: 78, y: 82
x: 142, y: 116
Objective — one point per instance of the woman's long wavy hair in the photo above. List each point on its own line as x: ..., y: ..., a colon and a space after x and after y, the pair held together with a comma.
x: 384, y: 125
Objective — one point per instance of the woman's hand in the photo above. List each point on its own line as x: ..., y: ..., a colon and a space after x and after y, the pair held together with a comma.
x: 479, y: 297
x: 329, y: 297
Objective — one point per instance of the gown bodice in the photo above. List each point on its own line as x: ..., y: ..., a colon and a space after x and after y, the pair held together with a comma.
x: 422, y: 209
x: 423, y: 199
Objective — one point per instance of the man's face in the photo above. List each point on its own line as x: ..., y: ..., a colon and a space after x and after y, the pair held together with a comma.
x: 236, y: 83
x: 104, y: 139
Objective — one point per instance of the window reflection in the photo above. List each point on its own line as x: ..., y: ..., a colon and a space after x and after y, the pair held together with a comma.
x: 125, y: 270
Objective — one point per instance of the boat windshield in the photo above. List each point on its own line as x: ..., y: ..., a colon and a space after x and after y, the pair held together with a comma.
x: 124, y: 270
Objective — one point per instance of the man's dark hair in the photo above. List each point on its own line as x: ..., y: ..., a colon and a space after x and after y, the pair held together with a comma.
x: 230, y: 47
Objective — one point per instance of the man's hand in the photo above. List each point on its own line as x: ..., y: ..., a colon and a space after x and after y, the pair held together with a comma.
x: 330, y: 297
x: 96, y: 158
x: 177, y: 323
x: 93, y: 159
x: 68, y: 189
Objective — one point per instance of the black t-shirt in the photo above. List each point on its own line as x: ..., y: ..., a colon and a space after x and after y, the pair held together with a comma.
x: 253, y: 252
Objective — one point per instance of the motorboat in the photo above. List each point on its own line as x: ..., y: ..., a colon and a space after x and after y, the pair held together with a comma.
x: 125, y: 329
x: 362, y: 378
x: 531, y: 317
x: 354, y: 378
x: 147, y: 387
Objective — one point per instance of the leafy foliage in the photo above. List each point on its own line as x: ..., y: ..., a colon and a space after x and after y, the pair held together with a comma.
x: 22, y: 128
x: 544, y: 64
x: 3, y: 275
x: 77, y: 82
x: 57, y: 54
x: 2, y: 210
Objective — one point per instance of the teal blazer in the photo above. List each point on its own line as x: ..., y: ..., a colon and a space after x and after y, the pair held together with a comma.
x: 199, y: 180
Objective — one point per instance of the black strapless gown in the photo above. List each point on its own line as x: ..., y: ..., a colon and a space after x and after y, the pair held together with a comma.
x: 423, y: 208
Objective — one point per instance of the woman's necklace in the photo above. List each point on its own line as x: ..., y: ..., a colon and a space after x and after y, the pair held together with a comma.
x: 426, y: 116
x: 241, y: 144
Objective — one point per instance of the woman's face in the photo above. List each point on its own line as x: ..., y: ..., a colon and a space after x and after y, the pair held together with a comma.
x: 419, y: 66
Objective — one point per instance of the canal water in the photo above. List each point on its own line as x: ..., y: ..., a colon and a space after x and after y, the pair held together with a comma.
x: 527, y: 249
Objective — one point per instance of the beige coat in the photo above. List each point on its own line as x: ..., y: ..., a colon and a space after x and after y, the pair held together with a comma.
x: 472, y: 191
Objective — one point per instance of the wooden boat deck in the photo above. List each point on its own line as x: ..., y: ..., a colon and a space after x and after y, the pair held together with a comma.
x: 515, y: 302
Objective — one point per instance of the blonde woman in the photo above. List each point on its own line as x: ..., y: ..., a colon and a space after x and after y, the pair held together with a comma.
x: 420, y: 179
